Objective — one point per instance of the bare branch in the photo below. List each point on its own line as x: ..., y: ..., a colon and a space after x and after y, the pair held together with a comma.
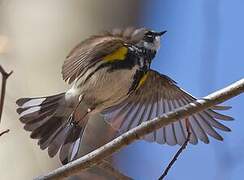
x: 147, y: 127
x: 5, y: 76
x: 4, y: 132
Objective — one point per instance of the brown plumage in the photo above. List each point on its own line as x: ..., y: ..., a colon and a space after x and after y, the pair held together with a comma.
x: 111, y: 75
x: 95, y: 48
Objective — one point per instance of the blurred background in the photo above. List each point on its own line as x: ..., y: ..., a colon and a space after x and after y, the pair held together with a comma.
x: 202, y: 51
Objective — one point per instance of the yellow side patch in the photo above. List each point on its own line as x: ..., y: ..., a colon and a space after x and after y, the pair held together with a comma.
x: 143, y: 80
x: 119, y: 54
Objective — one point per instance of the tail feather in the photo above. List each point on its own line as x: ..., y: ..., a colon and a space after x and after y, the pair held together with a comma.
x: 46, y: 127
x: 29, y: 114
x: 71, y: 144
x: 49, y: 120
x: 58, y: 140
x: 30, y: 102
x: 46, y: 140
x: 33, y: 124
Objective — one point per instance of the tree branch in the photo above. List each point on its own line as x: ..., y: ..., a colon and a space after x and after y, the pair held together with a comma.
x: 4, y: 132
x: 5, y: 76
x: 147, y: 127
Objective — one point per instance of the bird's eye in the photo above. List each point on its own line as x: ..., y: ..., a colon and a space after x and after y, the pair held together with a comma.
x: 149, y: 38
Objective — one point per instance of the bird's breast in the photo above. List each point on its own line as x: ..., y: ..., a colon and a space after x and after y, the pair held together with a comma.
x: 107, y: 87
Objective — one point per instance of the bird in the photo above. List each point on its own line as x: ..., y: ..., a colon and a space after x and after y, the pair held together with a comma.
x: 110, y: 74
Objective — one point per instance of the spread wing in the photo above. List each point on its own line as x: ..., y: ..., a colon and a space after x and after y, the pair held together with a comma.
x: 87, y: 54
x: 159, y: 94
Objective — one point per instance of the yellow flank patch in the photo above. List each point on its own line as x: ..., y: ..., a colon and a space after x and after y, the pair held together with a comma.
x: 119, y: 54
x: 143, y: 80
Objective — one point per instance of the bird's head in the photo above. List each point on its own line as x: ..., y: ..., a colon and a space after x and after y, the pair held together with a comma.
x: 142, y: 37
x: 149, y: 39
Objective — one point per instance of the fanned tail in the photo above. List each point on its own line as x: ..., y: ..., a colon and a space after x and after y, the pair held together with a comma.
x: 49, y: 119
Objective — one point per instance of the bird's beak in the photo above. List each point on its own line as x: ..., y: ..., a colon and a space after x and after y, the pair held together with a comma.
x: 160, y: 33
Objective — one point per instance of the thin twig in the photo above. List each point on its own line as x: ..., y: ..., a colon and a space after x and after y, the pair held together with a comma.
x: 147, y: 127
x: 4, y: 132
x: 176, y: 156
x: 5, y: 76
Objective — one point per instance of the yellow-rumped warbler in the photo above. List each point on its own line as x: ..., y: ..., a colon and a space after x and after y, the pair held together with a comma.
x: 111, y: 75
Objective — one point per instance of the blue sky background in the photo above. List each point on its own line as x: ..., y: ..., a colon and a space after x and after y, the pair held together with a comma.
x: 203, y: 51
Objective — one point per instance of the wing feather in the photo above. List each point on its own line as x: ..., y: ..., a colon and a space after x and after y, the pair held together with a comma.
x: 158, y: 95
x: 88, y: 53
